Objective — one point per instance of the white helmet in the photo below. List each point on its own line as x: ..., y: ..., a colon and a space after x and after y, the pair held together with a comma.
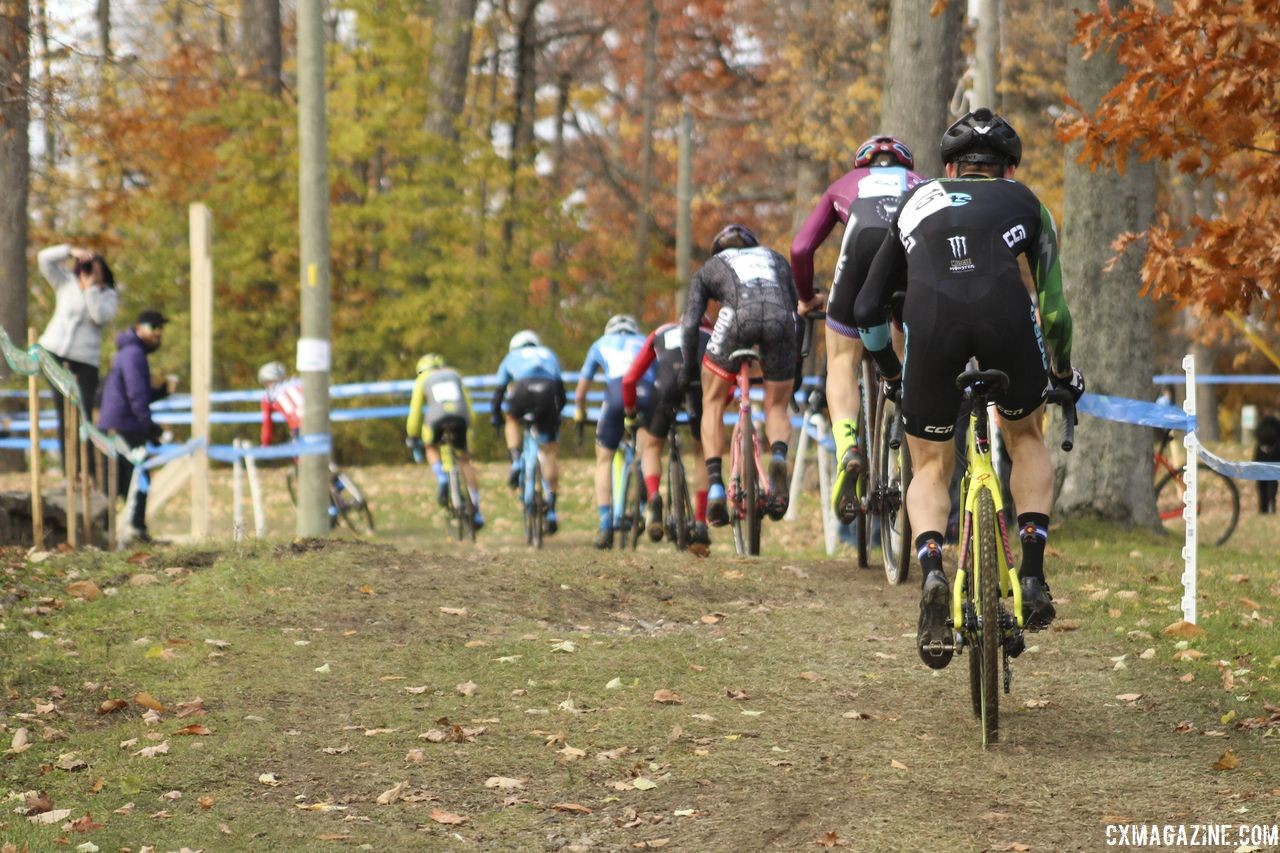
x: 272, y: 371
x: 525, y: 338
x: 621, y: 324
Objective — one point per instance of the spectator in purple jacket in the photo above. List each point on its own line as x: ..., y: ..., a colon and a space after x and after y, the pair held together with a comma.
x: 127, y: 396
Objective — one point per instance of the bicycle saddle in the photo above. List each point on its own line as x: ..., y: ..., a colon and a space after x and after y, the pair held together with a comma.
x: 982, y: 381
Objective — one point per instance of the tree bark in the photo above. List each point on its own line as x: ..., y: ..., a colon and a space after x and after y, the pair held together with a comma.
x: 450, y: 64
x: 261, y: 54
x: 648, y: 106
x: 522, y: 136
x: 924, y: 63
x: 47, y: 206
x: 1109, y: 474
x: 15, y: 77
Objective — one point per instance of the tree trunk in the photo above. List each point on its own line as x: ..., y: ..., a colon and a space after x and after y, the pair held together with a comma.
x: 450, y: 63
x: 559, y: 251
x: 1109, y: 474
x: 48, y: 207
x: 15, y: 75
x: 924, y: 55
x: 648, y: 106
x: 522, y: 136
x: 260, y: 49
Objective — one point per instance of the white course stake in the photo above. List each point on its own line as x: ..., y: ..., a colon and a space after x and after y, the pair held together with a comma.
x: 255, y: 493
x: 237, y: 497
x: 797, y: 475
x: 1190, y: 499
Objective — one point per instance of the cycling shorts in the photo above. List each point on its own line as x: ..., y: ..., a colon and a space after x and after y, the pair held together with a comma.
x: 538, y: 399
x: 998, y: 328
x: 437, y: 429
x: 766, y: 322
x: 668, y: 401
x: 610, y: 426
x: 857, y: 250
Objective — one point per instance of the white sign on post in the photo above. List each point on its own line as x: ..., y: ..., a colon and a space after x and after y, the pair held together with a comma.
x: 313, y: 355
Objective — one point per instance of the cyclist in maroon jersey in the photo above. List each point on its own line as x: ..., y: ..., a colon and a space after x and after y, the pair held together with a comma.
x: 866, y: 200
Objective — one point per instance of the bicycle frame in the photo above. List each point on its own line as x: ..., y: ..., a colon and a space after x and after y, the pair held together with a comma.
x: 623, y: 465
x: 528, y: 463
x: 981, y: 474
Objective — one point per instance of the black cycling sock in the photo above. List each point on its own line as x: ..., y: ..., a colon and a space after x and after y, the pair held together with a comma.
x: 779, y: 449
x: 515, y: 454
x: 551, y: 501
x: 713, y: 469
x: 1033, y: 529
x: 929, y: 552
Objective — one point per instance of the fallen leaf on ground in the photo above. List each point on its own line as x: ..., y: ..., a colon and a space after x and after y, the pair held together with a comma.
x: 392, y: 794
x: 337, y: 750
x: 651, y: 844
x: 270, y: 779
x: 830, y: 838
x: 1183, y: 628
x: 193, y: 730
x: 1016, y: 847
x: 1129, y: 697
x: 415, y: 756
x: 374, y: 732
x: 503, y: 783
x: 37, y: 802
x: 205, y: 802
x: 70, y: 761
x: 319, y: 807
x: 367, y: 590
x: 565, y: 646
x: 1188, y: 678
x: 1188, y: 654
x: 1037, y: 703
x: 1061, y: 625
x: 146, y: 700
x: 112, y: 705
x: 737, y: 695
x: 467, y: 688
x: 897, y: 765
x: 667, y: 697
x: 448, y: 818
x: 153, y: 751
x: 194, y: 708
x: 570, y: 753
x: 855, y: 715
x: 611, y: 754
x: 88, y: 590
x: 454, y: 611
x: 416, y: 690
x: 332, y: 836
x: 171, y: 795
x: 709, y: 619
x: 571, y: 808
x: 126, y: 809
x: 1227, y: 761
x: 50, y: 817
x: 643, y: 784
x: 811, y: 676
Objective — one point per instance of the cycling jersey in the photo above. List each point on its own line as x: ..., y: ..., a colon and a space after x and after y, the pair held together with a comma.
x: 664, y: 348
x: 612, y: 355
x: 284, y: 397
x: 529, y: 362
x: 866, y: 196
x: 956, y: 241
x: 444, y: 396
x: 757, y: 299
x: 537, y: 389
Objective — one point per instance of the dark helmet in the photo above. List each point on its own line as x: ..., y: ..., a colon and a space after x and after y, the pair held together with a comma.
x: 733, y: 237
x: 981, y: 137
x: 890, y: 145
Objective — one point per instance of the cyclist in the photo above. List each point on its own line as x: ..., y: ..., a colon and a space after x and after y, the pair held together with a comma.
x: 956, y: 241
x: 282, y: 395
x: 448, y: 407
x: 757, y: 297
x: 865, y: 199
x: 664, y: 345
x: 536, y: 388
x: 611, y: 354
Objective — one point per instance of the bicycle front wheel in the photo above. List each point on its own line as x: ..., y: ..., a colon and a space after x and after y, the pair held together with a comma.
x: 1217, y: 505
x: 353, y: 507
x: 750, y: 489
x: 990, y: 639
x: 679, y: 508
x: 891, y: 475
x: 866, y: 415
x: 536, y: 511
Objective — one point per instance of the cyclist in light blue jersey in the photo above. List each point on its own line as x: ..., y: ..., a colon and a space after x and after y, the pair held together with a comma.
x: 532, y: 372
x: 610, y: 356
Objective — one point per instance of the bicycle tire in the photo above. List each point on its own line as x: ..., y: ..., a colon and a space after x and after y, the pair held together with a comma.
x: 354, y: 508
x: 1217, y: 510
x: 866, y: 414
x: 678, y: 505
x: 632, y: 508
x: 990, y: 634
x: 750, y: 490
x: 290, y: 483
x: 895, y: 530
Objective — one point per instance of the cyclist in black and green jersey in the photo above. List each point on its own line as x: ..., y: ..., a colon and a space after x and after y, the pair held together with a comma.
x: 955, y: 242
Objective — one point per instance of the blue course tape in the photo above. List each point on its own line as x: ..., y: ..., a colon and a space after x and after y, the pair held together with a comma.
x: 307, y: 445
x: 47, y: 444
x: 1241, y: 470
x: 1138, y: 412
x: 1253, y: 379
x: 166, y: 453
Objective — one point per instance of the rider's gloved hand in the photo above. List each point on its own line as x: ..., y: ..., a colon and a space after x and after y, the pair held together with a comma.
x: 892, y: 388
x: 579, y: 415
x: 418, y: 447
x: 629, y: 422
x: 1073, y: 383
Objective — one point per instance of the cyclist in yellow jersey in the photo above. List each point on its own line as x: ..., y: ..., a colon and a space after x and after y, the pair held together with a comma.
x: 440, y: 391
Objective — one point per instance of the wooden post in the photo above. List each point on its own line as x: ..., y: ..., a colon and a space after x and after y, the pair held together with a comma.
x: 71, y: 418
x: 84, y: 490
x: 33, y: 415
x: 113, y: 472
x: 201, y: 238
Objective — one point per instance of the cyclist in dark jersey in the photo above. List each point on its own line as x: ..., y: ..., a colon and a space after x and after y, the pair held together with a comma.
x: 665, y: 346
x: 956, y: 242
x: 866, y: 200
x: 758, y: 302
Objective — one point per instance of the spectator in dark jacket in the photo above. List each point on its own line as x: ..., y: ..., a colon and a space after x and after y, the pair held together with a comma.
x: 127, y: 396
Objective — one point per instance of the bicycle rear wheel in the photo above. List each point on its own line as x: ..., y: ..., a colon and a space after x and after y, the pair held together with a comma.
x: 750, y: 489
x: 990, y: 635
x: 1217, y: 505
x: 535, y: 510
x: 895, y: 529
x: 866, y: 415
x: 632, y: 508
x: 353, y: 507
x: 679, y: 507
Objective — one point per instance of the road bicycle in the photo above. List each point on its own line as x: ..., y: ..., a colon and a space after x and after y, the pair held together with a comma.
x: 1217, y: 498
x: 987, y: 573
x: 462, y: 511
x: 347, y: 501
x: 531, y: 488
x: 628, y: 497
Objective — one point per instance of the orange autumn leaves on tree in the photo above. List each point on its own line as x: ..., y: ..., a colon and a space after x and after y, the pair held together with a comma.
x: 1199, y: 92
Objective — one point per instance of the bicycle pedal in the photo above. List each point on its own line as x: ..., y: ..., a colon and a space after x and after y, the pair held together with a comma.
x: 937, y: 648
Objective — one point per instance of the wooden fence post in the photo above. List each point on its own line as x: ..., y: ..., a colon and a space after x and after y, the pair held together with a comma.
x: 33, y: 415
x: 201, y: 239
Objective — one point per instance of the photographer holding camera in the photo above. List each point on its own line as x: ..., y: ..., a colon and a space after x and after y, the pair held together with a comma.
x: 85, y: 302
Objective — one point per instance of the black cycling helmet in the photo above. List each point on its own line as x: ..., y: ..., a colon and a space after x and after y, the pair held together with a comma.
x: 981, y: 137
x: 733, y: 237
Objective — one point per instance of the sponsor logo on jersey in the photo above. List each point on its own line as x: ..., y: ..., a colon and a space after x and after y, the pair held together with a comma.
x: 1014, y: 235
x: 887, y: 207
x: 960, y: 260
x: 940, y: 430
x: 926, y: 202
x: 959, y: 199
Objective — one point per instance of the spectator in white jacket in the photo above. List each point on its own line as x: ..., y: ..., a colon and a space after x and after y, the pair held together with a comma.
x: 85, y: 302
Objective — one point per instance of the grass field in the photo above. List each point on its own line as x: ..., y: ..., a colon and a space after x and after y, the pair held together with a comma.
x: 406, y: 693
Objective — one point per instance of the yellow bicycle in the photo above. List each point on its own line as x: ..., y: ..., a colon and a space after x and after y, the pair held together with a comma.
x: 987, y: 573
